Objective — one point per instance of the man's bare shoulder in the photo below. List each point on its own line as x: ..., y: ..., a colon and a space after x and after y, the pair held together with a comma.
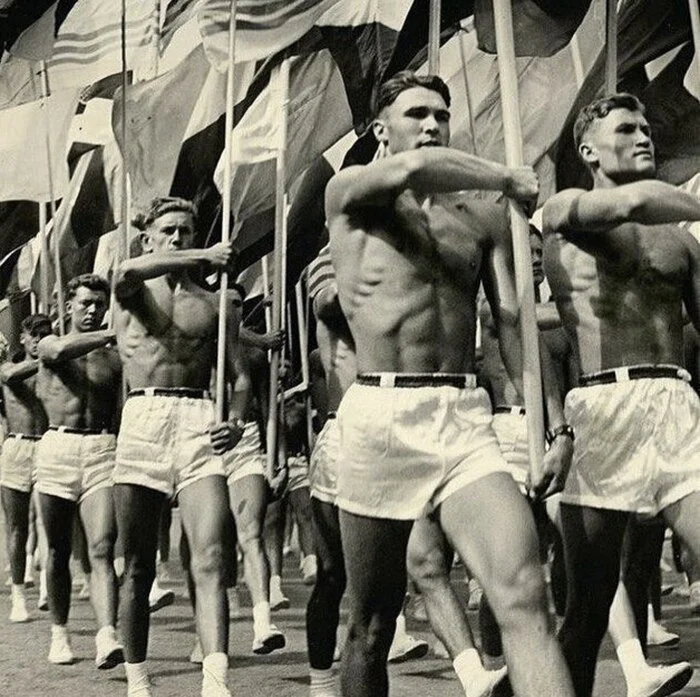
x: 337, y: 186
x: 558, y: 209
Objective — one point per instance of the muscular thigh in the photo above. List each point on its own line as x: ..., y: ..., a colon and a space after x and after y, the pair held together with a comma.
x: 248, y: 502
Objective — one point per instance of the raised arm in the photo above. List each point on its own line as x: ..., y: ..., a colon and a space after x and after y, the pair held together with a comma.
x: 13, y: 373
x: 648, y: 202
x: 133, y: 272
x: 58, y: 349
x: 426, y: 170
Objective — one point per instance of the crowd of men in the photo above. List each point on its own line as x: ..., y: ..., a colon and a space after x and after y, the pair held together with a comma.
x: 419, y: 389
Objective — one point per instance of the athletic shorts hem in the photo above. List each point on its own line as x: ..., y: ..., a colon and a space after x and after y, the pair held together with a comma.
x: 463, y: 480
x: 240, y: 475
x: 368, y: 512
x: 604, y: 502
x: 17, y: 487
x: 51, y: 490
x: 677, y: 493
x: 141, y: 479
x: 98, y: 487
x: 325, y: 496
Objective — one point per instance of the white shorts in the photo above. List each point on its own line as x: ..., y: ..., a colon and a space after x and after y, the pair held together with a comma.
x: 298, y: 472
x: 404, y: 450
x: 247, y: 458
x: 74, y: 465
x: 637, y: 444
x: 511, y: 432
x: 323, y: 466
x: 17, y: 462
x: 164, y: 442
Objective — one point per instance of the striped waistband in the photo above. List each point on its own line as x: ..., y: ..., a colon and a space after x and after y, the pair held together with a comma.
x: 505, y: 409
x: 458, y: 380
x: 633, y: 372
x: 23, y: 436
x: 189, y: 392
x: 81, y: 431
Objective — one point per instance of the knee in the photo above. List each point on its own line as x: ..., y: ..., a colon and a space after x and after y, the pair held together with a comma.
x: 426, y: 567
x: 372, y: 635
x: 102, y: 549
x: 521, y: 591
x: 208, y: 560
x: 249, y: 534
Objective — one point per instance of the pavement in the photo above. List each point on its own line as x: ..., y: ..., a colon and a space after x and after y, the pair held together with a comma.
x: 25, y: 672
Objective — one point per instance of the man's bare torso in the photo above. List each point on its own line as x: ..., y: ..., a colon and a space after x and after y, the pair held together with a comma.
x: 409, y: 295
x: 339, y: 362
x: 620, y: 293
x: 24, y: 410
x: 167, y: 335
x: 82, y: 392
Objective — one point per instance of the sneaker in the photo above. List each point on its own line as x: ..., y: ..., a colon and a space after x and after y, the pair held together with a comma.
x: 407, y: 649
x: 309, y: 569
x: 43, y: 603
x: 159, y: 598
x: 18, y: 611
x: 269, y: 642
x: 658, y: 635
x: 694, y: 597
x: 491, y: 682
x: 278, y: 600
x: 60, y: 652
x: 660, y: 681
x: 475, y: 594
x: 110, y: 653
x: 197, y: 655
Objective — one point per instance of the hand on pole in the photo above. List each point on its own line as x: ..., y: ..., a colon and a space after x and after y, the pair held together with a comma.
x: 222, y: 255
x: 273, y: 341
x: 225, y: 436
x: 278, y: 482
x: 522, y: 185
x: 555, y: 469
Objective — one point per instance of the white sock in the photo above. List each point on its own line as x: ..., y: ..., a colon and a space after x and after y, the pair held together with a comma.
x: 17, y: 591
x: 215, y: 668
x: 59, y: 630
x: 261, y: 617
x: 276, y: 583
x: 468, y: 667
x: 651, y: 620
x: 322, y: 682
x: 400, y: 632
x: 631, y: 658
x: 136, y: 677
x: 107, y: 631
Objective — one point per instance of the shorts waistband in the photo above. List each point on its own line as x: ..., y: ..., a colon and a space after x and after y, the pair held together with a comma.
x: 189, y: 392
x: 458, y: 380
x: 505, y: 409
x: 23, y: 436
x: 81, y: 431
x: 633, y: 372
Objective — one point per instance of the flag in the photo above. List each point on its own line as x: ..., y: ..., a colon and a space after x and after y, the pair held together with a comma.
x: 20, y: 18
x: 645, y: 32
x: 691, y: 81
x: 23, y: 152
x: 540, y: 27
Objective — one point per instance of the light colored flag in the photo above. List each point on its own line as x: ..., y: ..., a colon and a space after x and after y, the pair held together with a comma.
x: 25, y: 170
x: 691, y: 81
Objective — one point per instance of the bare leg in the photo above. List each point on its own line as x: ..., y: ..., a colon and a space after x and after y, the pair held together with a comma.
x: 505, y: 560
x: 300, y: 501
x: 592, y: 544
x: 138, y: 514
x: 375, y: 559
x: 205, y: 526
x: 15, y: 505
x: 683, y: 517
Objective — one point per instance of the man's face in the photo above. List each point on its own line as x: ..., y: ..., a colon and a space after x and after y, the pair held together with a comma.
x: 30, y: 341
x: 621, y: 146
x: 87, y: 309
x: 417, y: 118
x: 170, y: 232
x: 537, y: 255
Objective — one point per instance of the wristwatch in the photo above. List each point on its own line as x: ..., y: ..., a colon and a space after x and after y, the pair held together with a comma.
x: 563, y: 430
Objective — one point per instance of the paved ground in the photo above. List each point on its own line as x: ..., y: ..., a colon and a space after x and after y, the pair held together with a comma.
x: 25, y: 672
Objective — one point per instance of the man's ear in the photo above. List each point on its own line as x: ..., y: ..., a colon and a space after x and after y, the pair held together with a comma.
x: 588, y: 153
x: 146, y: 242
x: 379, y: 130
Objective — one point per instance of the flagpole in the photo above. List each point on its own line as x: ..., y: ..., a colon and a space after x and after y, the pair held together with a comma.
x: 303, y: 333
x: 434, y: 37
x: 610, y: 46
x: 123, y: 249
x: 44, y: 266
x: 532, y: 377
x: 266, y: 293
x: 226, y: 217
x: 695, y: 26
x: 52, y: 201
x: 282, y: 80
x: 576, y: 58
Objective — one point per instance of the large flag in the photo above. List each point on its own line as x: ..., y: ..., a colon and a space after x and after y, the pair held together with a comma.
x: 25, y: 173
x: 19, y: 16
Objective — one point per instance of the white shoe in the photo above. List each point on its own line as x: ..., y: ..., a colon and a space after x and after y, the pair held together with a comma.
x: 488, y: 683
x: 278, y: 600
x: 272, y: 640
x: 109, y: 652
x: 407, y: 648
x: 197, y: 655
x: 18, y: 612
x: 159, y: 597
x: 658, y: 635
x: 60, y: 652
x: 660, y: 681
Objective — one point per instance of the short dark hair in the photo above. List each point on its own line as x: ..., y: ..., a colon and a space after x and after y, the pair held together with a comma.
x: 405, y: 80
x: 91, y: 281
x: 160, y: 206
x: 600, y: 108
x: 36, y: 324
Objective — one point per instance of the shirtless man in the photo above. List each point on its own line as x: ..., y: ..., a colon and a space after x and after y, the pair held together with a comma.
x: 415, y: 432
x: 168, y: 443
x: 26, y: 420
x: 79, y: 381
x: 620, y: 273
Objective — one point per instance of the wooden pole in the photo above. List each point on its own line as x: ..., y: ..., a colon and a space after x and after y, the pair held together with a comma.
x: 282, y: 80
x: 532, y: 378
x: 226, y: 218
x: 576, y: 58
x: 61, y: 308
x: 610, y: 46
x: 123, y: 248
x: 44, y: 260
x: 434, y: 37
x: 266, y: 293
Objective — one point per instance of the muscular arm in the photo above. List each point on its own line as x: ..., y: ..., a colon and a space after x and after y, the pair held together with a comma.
x: 58, y: 349
x: 427, y: 170
x: 12, y: 373
x: 647, y: 202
